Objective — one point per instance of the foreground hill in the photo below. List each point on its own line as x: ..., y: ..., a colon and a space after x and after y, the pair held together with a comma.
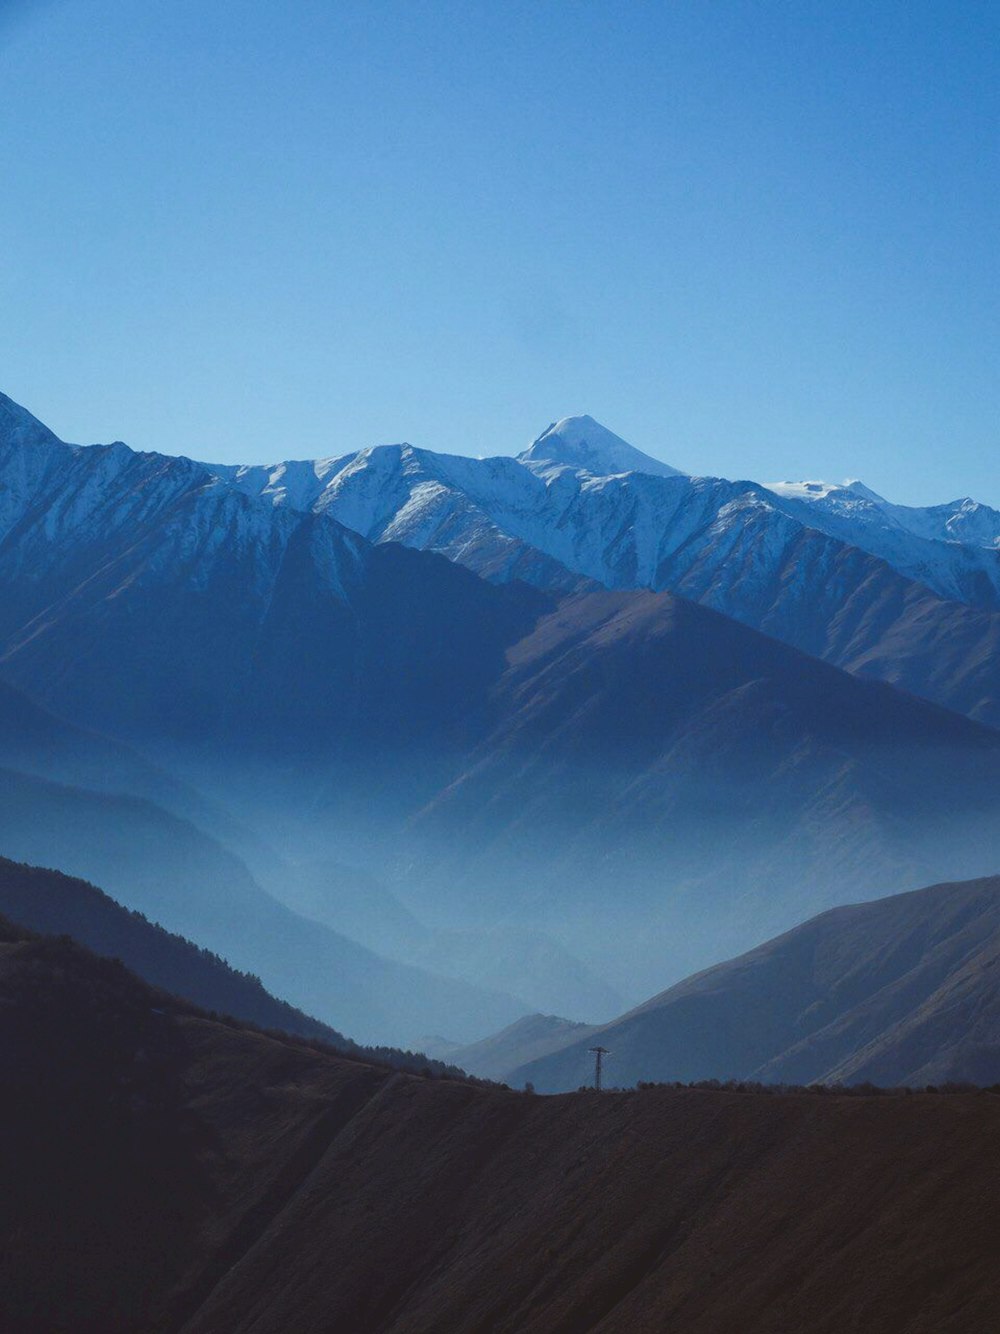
x: 50, y: 903
x: 899, y: 991
x: 164, y: 1172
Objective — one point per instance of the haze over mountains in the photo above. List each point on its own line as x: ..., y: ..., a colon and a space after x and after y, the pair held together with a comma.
x: 900, y: 991
x: 186, y: 881
x: 638, y: 783
x: 53, y: 904
x: 421, y: 746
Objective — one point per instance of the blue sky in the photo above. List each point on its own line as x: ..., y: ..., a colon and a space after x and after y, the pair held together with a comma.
x: 755, y: 239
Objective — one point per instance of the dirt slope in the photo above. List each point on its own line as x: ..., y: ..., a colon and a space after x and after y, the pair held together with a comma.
x: 164, y: 1171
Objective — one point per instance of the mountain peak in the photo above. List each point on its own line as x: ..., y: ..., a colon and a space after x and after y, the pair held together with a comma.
x: 824, y: 490
x: 19, y: 427
x: 584, y: 444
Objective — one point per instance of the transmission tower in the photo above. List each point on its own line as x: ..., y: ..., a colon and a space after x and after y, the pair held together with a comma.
x: 599, y: 1055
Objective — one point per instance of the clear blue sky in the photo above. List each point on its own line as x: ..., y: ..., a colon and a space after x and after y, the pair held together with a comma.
x: 756, y: 239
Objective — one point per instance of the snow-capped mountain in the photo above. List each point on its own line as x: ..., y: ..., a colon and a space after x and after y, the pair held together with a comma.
x: 585, y: 445
x: 582, y: 497
x: 585, y: 499
x: 433, y: 502
x: 904, y: 594
x: 907, y: 595
x: 954, y: 549
x: 509, y: 745
x: 965, y: 521
x: 217, y: 606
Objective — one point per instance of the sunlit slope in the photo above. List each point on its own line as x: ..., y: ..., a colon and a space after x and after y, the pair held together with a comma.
x: 899, y: 991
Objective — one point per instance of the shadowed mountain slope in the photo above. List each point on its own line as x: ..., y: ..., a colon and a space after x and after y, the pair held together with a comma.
x: 900, y: 991
x: 158, y: 604
x: 648, y: 754
x: 208, y: 1177
x: 907, y: 596
x: 164, y: 867
x: 34, y: 741
x: 259, y: 552
x: 929, y: 623
x: 525, y: 1040
x: 53, y: 904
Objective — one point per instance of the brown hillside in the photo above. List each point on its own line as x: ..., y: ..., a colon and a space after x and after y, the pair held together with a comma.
x: 902, y: 990
x: 163, y: 1171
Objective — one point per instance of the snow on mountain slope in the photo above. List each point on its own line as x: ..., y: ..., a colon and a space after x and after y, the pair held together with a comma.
x: 585, y: 445
x: 581, y: 501
x: 953, y: 549
x: 143, y: 592
x: 495, y: 515
x: 19, y: 427
x: 909, y: 596
x: 163, y: 603
x: 836, y: 571
x: 298, y: 483
x: 432, y: 502
x: 61, y: 502
x: 529, y: 517
x: 964, y: 520
x: 774, y: 562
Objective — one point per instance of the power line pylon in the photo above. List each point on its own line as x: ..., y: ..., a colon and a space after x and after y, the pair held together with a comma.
x: 599, y: 1054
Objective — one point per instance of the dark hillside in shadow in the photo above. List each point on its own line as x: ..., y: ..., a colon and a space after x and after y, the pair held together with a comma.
x: 164, y: 1171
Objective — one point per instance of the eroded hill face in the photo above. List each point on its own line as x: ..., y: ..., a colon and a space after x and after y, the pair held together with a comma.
x: 206, y: 1177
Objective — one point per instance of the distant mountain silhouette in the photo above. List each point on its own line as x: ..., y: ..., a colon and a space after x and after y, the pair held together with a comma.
x: 677, y: 785
x: 899, y: 991
x: 53, y: 904
x: 166, y: 868
x: 525, y: 1040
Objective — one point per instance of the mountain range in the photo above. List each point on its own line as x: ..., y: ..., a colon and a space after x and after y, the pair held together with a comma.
x: 908, y: 595
x: 408, y: 747
x: 666, y: 780
x: 636, y: 778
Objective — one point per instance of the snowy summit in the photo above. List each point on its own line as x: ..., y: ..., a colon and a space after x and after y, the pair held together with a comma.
x: 585, y: 445
x: 823, y: 490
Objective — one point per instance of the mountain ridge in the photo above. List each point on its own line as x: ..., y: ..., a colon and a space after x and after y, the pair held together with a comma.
x: 49, y: 903
x: 896, y: 991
